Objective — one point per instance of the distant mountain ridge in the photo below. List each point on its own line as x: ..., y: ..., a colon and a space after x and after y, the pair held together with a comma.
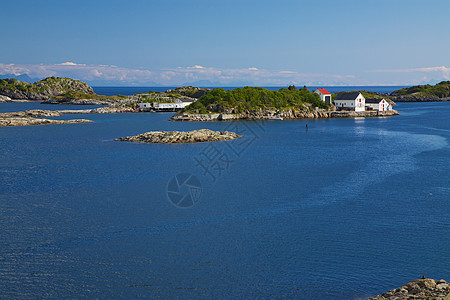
x: 22, y: 77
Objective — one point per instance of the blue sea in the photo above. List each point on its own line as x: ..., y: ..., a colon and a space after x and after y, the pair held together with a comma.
x: 338, y: 209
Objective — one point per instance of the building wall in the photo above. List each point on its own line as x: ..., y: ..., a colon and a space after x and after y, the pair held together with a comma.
x: 145, y: 105
x: 360, y: 103
x: 379, y: 106
x: 357, y: 105
x: 374, y: 106
x: 322, y: 96
x: 384, y: 105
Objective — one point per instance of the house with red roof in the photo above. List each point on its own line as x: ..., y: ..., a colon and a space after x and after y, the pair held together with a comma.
x: 325, y: 95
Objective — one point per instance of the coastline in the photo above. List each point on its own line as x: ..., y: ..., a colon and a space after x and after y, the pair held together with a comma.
x: 277, y: 115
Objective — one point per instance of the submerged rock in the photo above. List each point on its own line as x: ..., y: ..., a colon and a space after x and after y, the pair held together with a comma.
x: 174, y: 137
x: 418, y: 289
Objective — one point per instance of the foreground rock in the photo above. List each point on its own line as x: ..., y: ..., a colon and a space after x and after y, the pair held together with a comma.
x: 34, y: 113
x: 175, y: 137
x: 33, y: 117
x: 418, y: 289
x: 275, y: 114
x: 34, y: 121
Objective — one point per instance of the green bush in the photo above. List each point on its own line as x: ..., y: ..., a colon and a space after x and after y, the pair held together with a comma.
x: 253, y: 98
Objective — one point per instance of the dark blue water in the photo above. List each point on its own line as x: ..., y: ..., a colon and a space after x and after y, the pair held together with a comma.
x: 128, y: 91
x: 346, y: 210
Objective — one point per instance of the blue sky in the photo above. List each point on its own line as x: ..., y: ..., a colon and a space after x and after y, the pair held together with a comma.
x: 153, y: 42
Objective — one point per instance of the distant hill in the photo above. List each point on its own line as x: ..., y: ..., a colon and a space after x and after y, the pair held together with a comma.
x: 423, y: 93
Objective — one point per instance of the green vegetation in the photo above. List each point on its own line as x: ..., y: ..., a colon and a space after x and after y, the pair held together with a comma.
x: 253, y: 98
x: 74, y: 95
x: 440, y: 90
x: 189, y: 91
x: 12, y: 84
x: 43, y: 89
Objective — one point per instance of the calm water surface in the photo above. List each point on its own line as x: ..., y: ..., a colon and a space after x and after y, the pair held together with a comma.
x: 344, y: 210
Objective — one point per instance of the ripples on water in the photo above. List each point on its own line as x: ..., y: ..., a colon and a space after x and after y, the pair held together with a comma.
x: 348, y: 209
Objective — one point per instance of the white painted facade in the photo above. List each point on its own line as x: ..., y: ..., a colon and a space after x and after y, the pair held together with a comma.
x: 358, y: 104
x: 382, y: 105
x: 176, y: 105
x: 145, y: 105
x: 158, y: 105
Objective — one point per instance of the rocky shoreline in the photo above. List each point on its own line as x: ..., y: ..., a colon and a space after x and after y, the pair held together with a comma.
x: 418, y: 98
x: 418, y: 289
x: 275, y: 115
x: 35, y: 117
x: 179, y: 137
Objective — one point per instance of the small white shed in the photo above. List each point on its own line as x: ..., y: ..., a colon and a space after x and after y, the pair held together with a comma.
x: 325, y: 95
x: 145, y: 105
x: 378, y: 104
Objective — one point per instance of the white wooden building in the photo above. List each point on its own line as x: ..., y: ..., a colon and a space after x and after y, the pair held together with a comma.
x: 145, y: 105
x: 167, y: 106
x: 378, y: 104
x: 350, y: 101
x: 325, y: 95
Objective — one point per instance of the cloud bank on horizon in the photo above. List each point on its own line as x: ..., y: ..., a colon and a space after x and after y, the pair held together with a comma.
x: 204, y: 76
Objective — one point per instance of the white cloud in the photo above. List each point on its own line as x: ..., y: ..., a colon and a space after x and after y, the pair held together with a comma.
x: 114, y: 75
x: 416, y: 75
x: 68, y: 63
x: 427, y: 69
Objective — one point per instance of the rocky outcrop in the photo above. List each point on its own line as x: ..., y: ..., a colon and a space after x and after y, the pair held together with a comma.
x: 34, y: 121
x: 4, y: 98
x: 35, y: 113
x: 79, y: 101
x: 276, y: 114
x: 189, y: 91
x: 176, y: 137
x: 43, y: 89
x: 101, y: 110
x: 33, y: 117
x: 418, y: 289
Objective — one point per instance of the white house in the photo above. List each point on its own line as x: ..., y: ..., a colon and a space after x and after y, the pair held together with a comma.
x: 325, y: 95
x: 378, y: 104
x: 145, y: 105
x: 164, y: 106
x: 350, y: 101
x: 183, y: 102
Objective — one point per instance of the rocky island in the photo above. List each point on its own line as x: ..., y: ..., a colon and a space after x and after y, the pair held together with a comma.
x: 177, y: 137
x: 423, y: 93
x: 35, y: 117
x: 419, y: 289
x: 255, y: 103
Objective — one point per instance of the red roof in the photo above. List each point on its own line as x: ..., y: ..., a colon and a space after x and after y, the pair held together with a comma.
x: 324, y: 91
